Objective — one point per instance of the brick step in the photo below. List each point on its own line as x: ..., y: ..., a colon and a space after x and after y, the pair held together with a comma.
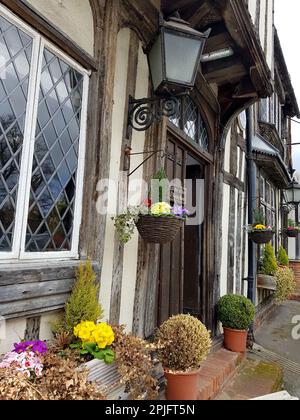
x: 216, y: 371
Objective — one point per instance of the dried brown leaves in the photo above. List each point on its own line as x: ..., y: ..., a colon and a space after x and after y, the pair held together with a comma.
x: 60, y: 381
x: 133, y: 358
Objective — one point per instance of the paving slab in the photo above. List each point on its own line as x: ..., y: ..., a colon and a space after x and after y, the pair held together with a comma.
x: 255, y: 379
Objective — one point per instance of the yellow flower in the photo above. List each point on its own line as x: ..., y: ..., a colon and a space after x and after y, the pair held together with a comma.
x: 84, y: 331
x: 161, y: 209
x: 103, y: 335
x: 260, y: 227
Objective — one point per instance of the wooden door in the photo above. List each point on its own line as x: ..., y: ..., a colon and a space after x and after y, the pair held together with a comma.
x: 170, y: 299
x: 181, y: 262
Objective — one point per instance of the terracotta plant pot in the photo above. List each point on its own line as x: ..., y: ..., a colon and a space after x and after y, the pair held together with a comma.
x: 182, y: 386
x: 235, y: 340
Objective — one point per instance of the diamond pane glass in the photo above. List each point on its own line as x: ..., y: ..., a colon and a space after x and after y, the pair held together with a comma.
x: 53, y: 183
x: 191, y: 122
x: 15, y: 61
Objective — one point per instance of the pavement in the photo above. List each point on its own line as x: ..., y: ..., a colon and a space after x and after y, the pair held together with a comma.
x: 275, y: 335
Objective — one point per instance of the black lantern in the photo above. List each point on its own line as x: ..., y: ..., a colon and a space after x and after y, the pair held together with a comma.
x: 175, y: 55
x: 174, y: 59
x: 292, y: 193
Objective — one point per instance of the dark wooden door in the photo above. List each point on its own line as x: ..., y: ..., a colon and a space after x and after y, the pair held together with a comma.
x: 181, y: 262
x: 170, y: 300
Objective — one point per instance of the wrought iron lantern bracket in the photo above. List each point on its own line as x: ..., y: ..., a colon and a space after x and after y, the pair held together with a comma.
x: 142, y: 113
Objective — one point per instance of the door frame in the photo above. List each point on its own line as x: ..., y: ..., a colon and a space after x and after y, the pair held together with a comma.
x: 206, y: 311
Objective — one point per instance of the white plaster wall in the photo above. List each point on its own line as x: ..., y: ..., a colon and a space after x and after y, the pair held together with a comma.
x: 73, y: 17
x: 47, y: 322
x: 225, y: 226
x: 252, y: 4
x: 235, y: 237
x: 292, y: 241
x: 262, y: 22
x: 136, y: 182
x: 12, y: 331
x: 118, y: 116
x: 227, y: 152
x: 270, y: 40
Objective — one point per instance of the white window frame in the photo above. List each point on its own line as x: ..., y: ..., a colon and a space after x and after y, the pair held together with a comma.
x: 22, y: 208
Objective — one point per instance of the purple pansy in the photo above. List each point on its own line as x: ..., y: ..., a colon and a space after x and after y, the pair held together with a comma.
x: 37, y: 346
x: 179, y: 211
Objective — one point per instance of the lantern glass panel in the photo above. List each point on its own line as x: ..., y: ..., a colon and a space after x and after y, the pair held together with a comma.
x: 156, y: 63
x: 297, y: 195
x: 181, y: 55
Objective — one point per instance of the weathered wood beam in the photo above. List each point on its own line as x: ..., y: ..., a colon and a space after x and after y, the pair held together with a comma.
x: 224, y: 71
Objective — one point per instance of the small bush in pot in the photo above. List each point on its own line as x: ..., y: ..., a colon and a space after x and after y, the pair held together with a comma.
x: 283, y: 258
x: 236, y: 314
x: 183, y: 343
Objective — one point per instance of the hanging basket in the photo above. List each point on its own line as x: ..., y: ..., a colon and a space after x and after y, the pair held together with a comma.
x: 292, y: 233
x: 159, y: 230
x: 261, y: 237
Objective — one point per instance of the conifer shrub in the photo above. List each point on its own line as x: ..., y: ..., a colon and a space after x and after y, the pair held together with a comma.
x: 83, y: 304
x: 283, y: 258
x: 269, y: 265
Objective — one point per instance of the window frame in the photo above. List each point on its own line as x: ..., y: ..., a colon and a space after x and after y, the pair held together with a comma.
x: 22, y: 204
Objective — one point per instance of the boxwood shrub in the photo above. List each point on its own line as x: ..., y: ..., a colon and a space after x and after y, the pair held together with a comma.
x: 236, y: 312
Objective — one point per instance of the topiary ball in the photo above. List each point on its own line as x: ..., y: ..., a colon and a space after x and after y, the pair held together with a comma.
x: 236, y: 312
x: 183, y: 343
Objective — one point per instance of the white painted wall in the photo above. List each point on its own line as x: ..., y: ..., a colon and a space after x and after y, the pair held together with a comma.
x: 73, y: 17
x: 225, y: 226
x: 14, y: 331
x: 252, y: 5
x: 131, y: 249
x: 118, y: 116
x: 262, y: 23
x: 227, y: 152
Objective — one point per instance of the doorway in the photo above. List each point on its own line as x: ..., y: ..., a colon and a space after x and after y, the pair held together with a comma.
x: 181, y: 271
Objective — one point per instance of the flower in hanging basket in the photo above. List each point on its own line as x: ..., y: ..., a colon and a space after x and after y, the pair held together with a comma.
x: 161, y: 209
x: 292, y: 230
x: 261, y: 234
x: 162, y: 224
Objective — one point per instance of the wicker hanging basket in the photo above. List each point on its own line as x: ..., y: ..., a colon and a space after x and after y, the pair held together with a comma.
x: 292, y: 233
x: 159, y: 230
x: 261, y: 237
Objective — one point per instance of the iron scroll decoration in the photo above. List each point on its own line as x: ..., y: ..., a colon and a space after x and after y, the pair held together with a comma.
x: 144, y: 112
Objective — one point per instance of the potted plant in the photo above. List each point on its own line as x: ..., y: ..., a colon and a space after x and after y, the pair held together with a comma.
x: 183, y: 343
x: 285, y: 285
x: 259, y: 232
x: 283, y: 258
x: 268, y: 269
x: 292, y: 230
x: 236, y: 314
x: 157, y: 221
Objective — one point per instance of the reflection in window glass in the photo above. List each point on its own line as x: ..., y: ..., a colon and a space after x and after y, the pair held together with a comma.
x: 53, y: 183
x: 16, y: 50
x: 191, y: 122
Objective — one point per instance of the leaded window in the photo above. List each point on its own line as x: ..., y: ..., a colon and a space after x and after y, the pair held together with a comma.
x: 43, y: 98
x: 190, y: 121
